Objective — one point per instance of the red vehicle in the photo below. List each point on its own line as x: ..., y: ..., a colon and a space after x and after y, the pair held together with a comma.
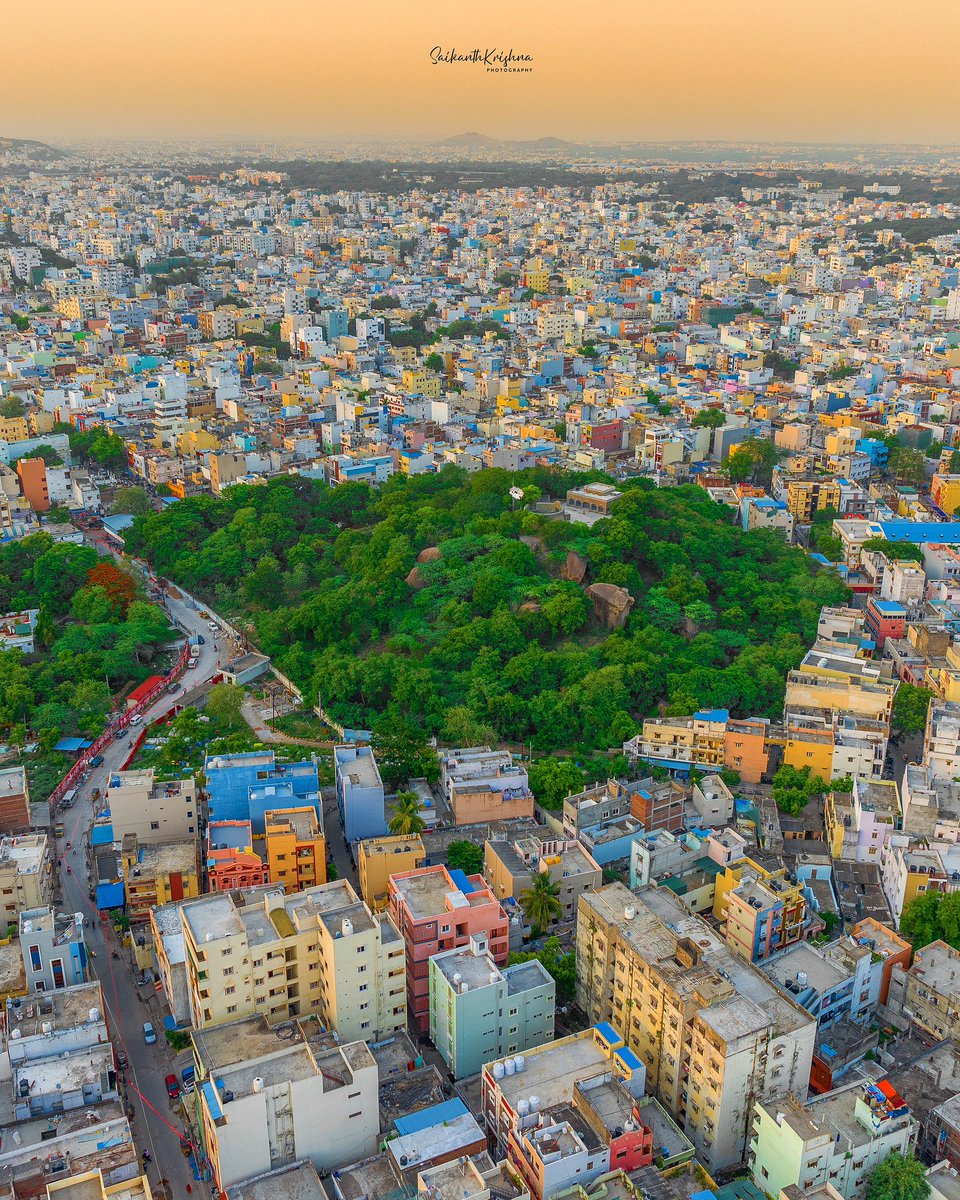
x: 173, y: 1087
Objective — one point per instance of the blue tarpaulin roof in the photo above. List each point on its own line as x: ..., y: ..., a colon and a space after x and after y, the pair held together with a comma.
x: 426, y: 1118
x: 461, y: 881
x: 101, y: 835
x: 71, y: 745
x: 110, y: 895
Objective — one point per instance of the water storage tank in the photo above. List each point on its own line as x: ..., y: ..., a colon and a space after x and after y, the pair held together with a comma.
x: 258, y: 1084
x: 47, y: 1027
x: 802, y: 978
x: 523, y: 1107
x: 519, y: 1062
x: 346, y: 926
x: 457, y: 979
x: 534, y: 1104
x: 94, y: 1014
x: 629, y: 912
x: 509, y: 1066
x: 494, y: 976
x: 498, y: 1070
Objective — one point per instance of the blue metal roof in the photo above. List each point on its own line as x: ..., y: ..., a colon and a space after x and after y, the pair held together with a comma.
x: 71, y: 745
x: 628, y: 1058
x: 720, y: 715
x: 890, y: 608
x: 426, y: 1118
x: 921, y: 531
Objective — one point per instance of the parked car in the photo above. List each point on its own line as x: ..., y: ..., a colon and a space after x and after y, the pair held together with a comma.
x: 201, y: 640
x: 149, y: 1033
x: 97, y: 760
x: 136, y: 719
x: 212, y: 625
x: 172, y: 1086
x: 189, y: 1077
x: 121, y: 1060
x: 192, y: 664
x: 121, y: 734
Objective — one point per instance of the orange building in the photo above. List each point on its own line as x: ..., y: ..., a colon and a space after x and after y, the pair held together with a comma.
x: 296, y: 850
x: 32, y: 473
x: 231, y: 862
x: 745, y: 748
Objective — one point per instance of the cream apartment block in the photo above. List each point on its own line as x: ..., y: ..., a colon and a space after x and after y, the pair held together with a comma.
x: 24, y: 875
x: 809, y: 688
x: 265, y: 1103
x: 715, y: 1035
x: 154, y: 811
x: 320, y: 951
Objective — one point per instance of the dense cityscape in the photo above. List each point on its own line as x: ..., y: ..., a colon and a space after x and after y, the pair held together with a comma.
x: 479, y: 671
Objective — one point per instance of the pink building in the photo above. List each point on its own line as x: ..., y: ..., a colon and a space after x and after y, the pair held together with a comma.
x: 231, y: 861
x: 437, y: 911
x: 885, y: 619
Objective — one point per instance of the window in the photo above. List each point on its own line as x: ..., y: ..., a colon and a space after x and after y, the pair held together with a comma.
x: 363, y: 987
x: 229, y: 991
x: 154, y: 824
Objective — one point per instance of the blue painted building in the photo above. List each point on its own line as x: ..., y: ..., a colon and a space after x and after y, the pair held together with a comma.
x: 360, y: 794
x: 242, y: 787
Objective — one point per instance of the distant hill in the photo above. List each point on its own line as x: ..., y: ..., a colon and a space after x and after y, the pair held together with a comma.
x: 478, y: 141
x: 470, y: 140
x: 29, y: 147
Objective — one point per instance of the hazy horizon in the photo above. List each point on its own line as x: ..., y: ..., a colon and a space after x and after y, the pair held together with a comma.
x: 741, y: 72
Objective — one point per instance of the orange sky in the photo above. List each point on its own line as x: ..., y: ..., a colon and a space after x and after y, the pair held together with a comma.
x: 835, y: 70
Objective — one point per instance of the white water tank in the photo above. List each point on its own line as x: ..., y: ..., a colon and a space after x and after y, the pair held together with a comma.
x: 498, y: 1070
x: 457, y: 980
x: 15, y: 1033
x: 494, y: 976
x: 629, y: 912
x: 520, y: 1063
x: 94, y: 1014
x: 258, y: 1084
x: 509, y: 1066
x: 802, y: 978
x: 208, y: 937
x: 346, y: 927
x: 523, y: 1107
x: 47, y: 1027
x: 534, y: 1104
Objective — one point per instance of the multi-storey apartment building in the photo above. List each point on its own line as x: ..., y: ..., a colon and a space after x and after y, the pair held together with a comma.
x: 479, y: 1013
x: 296, y: 849
x: 435, y: 911
x: 481, y: 784
x: 928, y: 993
x: 761, y: 909
x: 714, y: 1035
x: 835, y: 1139
x: 154, y: 811
x: 25, y: 878
x: 379, y: 858
x: 320, y: 951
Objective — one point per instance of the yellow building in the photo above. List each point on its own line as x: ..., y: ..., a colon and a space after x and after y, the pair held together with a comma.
x: 762, y: 911
x: 381, y: 857
x: 318, y: 952
x: 14, y: 429
x: 193, y: 441
x: 945, y: 492
x: 89, y: 1185
x: 808, y: 496
x: 420, y: 381
x: 536, y: 275
x: 157, y: 874
x: 296, y: 849
x: 40, y: 422
x: 810, y: 687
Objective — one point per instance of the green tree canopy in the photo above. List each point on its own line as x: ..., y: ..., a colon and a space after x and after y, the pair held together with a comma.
x: 894, y: 550
x: 225, y: 705
x: 898, y: 1177
x: 793, y: 788
x: 910, y: 707
x: 932, y: 917
x: 465, y: 856
x: 709, y: 418
x: 131, y: 501
x: 552, y: 780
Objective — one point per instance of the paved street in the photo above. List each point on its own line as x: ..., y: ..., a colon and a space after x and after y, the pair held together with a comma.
x: 147, y: 1065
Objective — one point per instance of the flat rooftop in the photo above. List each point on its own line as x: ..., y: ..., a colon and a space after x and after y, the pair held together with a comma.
x: 436, y: 1141
x: 221, y: 1046
x: 299, y: 1181
x: 522, y: 977
x: 464, y: 967
x: 550, y: 1071
x: 821, y: 974
x: 64, y: 1008
x: 302, y: 822
x: 360, y: 769
x: 426, y: 892
x: 216, y: 915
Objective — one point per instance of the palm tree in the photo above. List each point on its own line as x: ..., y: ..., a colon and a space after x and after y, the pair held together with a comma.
x: 541, y: 902
x: 406, y: 819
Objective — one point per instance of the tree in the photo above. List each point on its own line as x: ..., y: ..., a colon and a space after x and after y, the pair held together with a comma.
x: 709, y: 418
x: 434, y: 362
x: 51, y: 457
x: 131, y: 501
x: 932, y: 917
x: 552, y: 780
x: 11, y: 406
x: 894, y: 550
x: 407, y: 819
x: 908, y: 465
x: 910, y: 707
x: 118, y: 586
x: 541, y: 902
x: 793, y: 788
x: 753, y: 460
x: 463, y: 729
x: 898, y: 1177
x: 842, y: 784
x: 402, y: 752
x: 465, y: 856
x: 225, y: 705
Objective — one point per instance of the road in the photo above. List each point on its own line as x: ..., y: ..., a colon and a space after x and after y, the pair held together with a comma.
x: 147, y: 1065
